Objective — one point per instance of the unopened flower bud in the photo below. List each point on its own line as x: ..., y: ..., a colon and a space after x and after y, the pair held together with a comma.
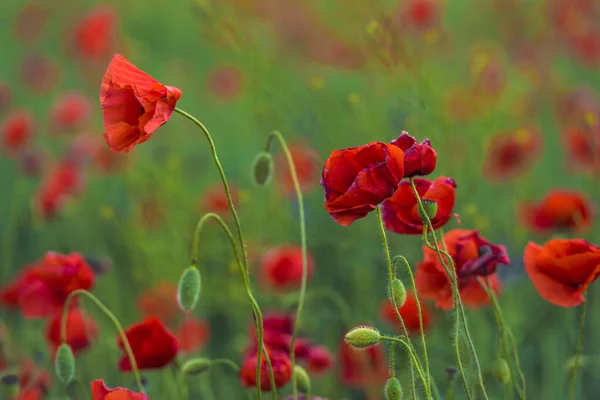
x: 452, y: 372
x: 362, y: 337
x: 302, y: 379
x: 430, y: 207
x: 64, y: 363
x: 263, y: 168
x: 398, y: 293
x: 196, y: 366
x: 501, y: 371
x: 188, y: 291
x: 393, y: 389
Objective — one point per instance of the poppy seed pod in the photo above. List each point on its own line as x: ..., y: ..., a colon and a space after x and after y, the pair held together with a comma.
x: 363, y: 337
x: 263, y: 168
x: 302, y: 379
x: 393, y: 389
x: 188, y: 291
x: 501, y: 371
x: 64, y: 363
x: 196, y: 366
x: 9, y: 386
x: 398, y: 293
x: 430, y: 208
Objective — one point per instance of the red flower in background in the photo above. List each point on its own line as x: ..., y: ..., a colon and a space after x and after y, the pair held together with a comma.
x: 17, y: 131
x: 5, y: 97
x: 278, y: 335
x: 582, y: 145
x: 409, y: 312
x: 160, y: 302
x: 307, y: 170
x: 63, y: 182
x: 81, y: 330
x: 282, y: 267
x: 400, y: 212
x: 363, y: 367
x: 562, y: 270
x: 282, y: 370
x: 133, y: 104
x: 30, y: 22
x: 586, y: 47
x: 419, y: 158
x: 95, y: 36
x: 419, y: 14
x: 192, y: 335
x: 572, y: 105
x: 226, y: 82
x: 152, y: 344
x: 560, y: 209
x: 357, y: 179
x: 32, y: 393
x: 473, y: 257
x: 491, y: 80
x: 39, y: 72
x: 101, y: 392
x: 32, y: 161
x: 72, y: 110
x: 32, y: 376
x: 319, y: 360
x: 214, y: 199
x: 510, y: 153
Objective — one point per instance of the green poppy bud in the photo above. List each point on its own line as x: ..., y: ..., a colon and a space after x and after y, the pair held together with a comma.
x: 263, y: 168
x: 501, y: 371
x: 393, y: 389
x: 196, y: 366
x: 64, y: 363
x: 302, y: 379
x: 188, y: 291
x: 362, y: 337
x: 398, y: 292
x: 430, y: 207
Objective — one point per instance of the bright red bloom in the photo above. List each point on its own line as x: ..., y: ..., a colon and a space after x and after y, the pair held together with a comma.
x: 95, y: 36
x: 30, y: 22
x: 214, y: 199
x: 473, y: 257
x: 560, y: 209
x: 282, y: 370
x: 101, y: 392
x: 226, y: 82
x: 420, y: 14
x: 63, y: 182
x: 39, y: 72
x: 72, y: 110
x: 152, y: 344
x: 81, y: 330
x: 319, y: 360
x: 510, y: 153
x: 357, y: 179
x: 192, y: 335
x: 307, y: 169
x: 133, y: 104
x: 17, y: 130
x: 282, y: 267
x: 401, y: 211
x: 409, y: 312
x: 419, y: 158
x: 363, y: 367
x: 562, y: 269
x: 160, y: 302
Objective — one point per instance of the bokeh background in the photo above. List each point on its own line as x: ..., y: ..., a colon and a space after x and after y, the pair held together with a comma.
x: 507, y: 91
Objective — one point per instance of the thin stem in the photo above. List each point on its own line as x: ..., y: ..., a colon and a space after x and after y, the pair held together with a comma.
x: 114, y: 320
x: 392, y: 360
x: 292, y: 167
x: 412, y: 355
x: 582, y: 311
x: 225, y: 361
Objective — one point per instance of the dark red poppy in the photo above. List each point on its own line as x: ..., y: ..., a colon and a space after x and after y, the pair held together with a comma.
x: 39, y: 72
x: 152, y: 344
x: 307, y: 169
x: 586, y: 47
x: 319, y: 360
x: 17, y: 131
x: 281, y: 267
x: 401, y: 211
x: 95, y: 36
x: 419, y: 158
x: 363, y: 367
x: 357, y: 179
x: 226, y: 82
x: 192, y: 335
x: 62, y: 183
x: 510, y: 153
x: 101, y: 392
x: 582, y: 145
x: 473, y: 257
x: 32, y: 161
x: 31, y: 21
x: 562, y: 269
x: 160, y: 302
x: 420, y: 14
x: 282, y: 370
x: 409, y: 312
x: 133, y: 104
x: 5, y: 97
x: 214, y: 199
x: 560, y: 209
x: 71, y: 111
x: 81, y: 330
x: 278, y: 322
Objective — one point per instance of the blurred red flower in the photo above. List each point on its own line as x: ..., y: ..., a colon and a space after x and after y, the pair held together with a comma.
x: 70, y: 111
x: 101, y: 392
x: 582, y: 145
x: 473, y: 257
x: 409, y: 312
x: 32, y: 376
x: 363, y: 367
x: 192, y: 335
x: 562, y: 269
x: 95, y: 36
x: 39, y: 72
x: 161, y: 302
x: 282, y: 370
x: 281, y: 267
x: 17, y: 131
x: 491, y: 80
x: 30, y: 22
x: 307, y: 169
x: 214, y: 199
x: 32, y: 161
x: 510, y: 153
x: 226, y: 82
x: 560, y: 209
x: 586, y: 47
x: 62, y: 183
x: 133, y: 104
x: 319, y: 360
x: 419, y: 14
x: 419, y: 158
x: 357, y: 179
x: 400, y: 212
x: 81, y: 330
x: 152, y: 344
x: 278, y: 335
x: 572, y: 105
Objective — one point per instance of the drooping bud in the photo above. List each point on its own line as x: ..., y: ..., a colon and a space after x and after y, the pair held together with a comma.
x: 398, y: 293
x: 9, y: 386
x: 263, y: 168
x: 430, y: 207
x: 196, y: 366
x: 452, y: 372
x: 188, y: 291
x: 64, y: 363
x: 362, y: 337
x: 501, y: 371
x: 393, y: 389
x: 302, y: 379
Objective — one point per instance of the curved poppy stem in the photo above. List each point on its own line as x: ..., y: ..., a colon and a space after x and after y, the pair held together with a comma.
x: 225, y: 361
x: 258, y: 320
x: 412, y: 355
x: 114, y: 320
x: 582, y: 312
x: 292, y: 167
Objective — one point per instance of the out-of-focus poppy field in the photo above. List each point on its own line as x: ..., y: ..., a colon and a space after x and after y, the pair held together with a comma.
x: 299, y: 199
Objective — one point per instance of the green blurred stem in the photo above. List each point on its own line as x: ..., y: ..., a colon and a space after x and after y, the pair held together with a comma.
x: 413, y: 357
x: 225, y: 361
x: 277, y: 135
x: 582, y: 310
x: 258, y: 315
x: 114, y: 320
x: 388, y: 258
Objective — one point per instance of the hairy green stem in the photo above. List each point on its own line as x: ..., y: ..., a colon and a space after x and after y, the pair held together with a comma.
x: 413, y: 357
x: 582, y: 312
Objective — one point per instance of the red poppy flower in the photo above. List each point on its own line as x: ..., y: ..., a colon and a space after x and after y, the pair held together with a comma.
x: 17, y: 131
x: 278, y: 329
x: 358, y: 179
x: 560, y: 209
x: 419, y: 158
x: 133, y: 104
x: 64, y: 182
x: 152, y: 344
x: 192, y: 335
x: 32, y: 393
x: 30, y: 22
x: 400, y: 212
x: 420, y: 14
x: 101, y: 392
x: 278, y: 322
x: 226, y: 82
x: 319, y: 360
x: 95, y: 36
x: 5, y: 97
x: 473, y: 257
x: 510, y: 153
x: 409, y: 312
x: 32, y: 375
x: 282, y: 267
x: 586, y: 47
x: 307, y: 170
x: 39, y: 72
x: 582, y: 145
x: 214, y: 199
x: 282, y: 370
x: 562, y: 269
x: 160, y: 302
x: 572, y: 105
x: 72, y: 110
x: 81, y: 330
x: 363, y: 367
